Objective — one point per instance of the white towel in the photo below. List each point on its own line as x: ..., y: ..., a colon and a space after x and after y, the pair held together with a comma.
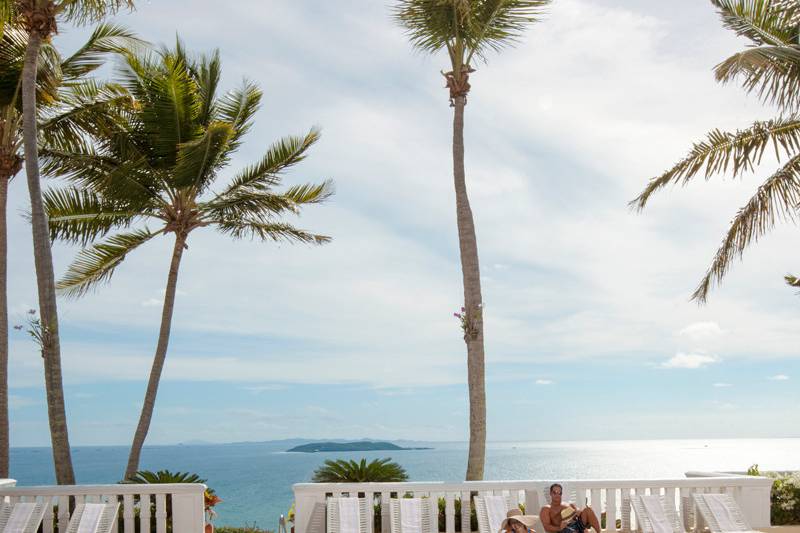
x: 657, y: 515
x: 91, y: 517
x: 496, y: 509
x: 19, y: 518
x: 718, y: 503
x: 349, y: 517
x: 410, y: 515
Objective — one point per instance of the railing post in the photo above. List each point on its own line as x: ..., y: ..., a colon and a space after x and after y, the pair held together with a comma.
x: 188, y: 511
x: 756, y: 504
x: 308, y: 506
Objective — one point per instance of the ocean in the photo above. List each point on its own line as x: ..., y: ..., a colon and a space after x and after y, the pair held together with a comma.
x: 255, y: 479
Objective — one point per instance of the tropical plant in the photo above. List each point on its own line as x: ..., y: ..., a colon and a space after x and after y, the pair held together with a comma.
x: 160, y: 168
x: 39, y: 19
x: 343, y: 471
x: 785, y: 496
x: 467, y: 30
x: 770, y: 68
x: 69, y: 104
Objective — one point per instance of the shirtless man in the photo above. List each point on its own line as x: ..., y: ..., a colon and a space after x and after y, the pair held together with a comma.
x: 550, y: 515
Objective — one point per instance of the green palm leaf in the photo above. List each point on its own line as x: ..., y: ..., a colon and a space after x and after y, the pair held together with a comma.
x: 198, y: 159
x: 86, y: 11
x: 721, y: 151
x: 268, y: 231
x: 96, y: 264
x: 792, y: 281
x: 81, y: 216
x: 776, y: 199
x: 281, y: 156
x: 105, y: 39
x: 466, y: 27
x: 765, y: 22
x: 343, y: 471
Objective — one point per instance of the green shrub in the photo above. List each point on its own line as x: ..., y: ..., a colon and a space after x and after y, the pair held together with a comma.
x: 785, y: 503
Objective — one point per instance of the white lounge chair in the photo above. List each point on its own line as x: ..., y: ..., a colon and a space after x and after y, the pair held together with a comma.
x: 347, y: 515
x: 491, y: 510
x: 93, y: 518
x: 414, y: 515
x: 21, y: 517
x: 721, y: 513
x: 655, y: 514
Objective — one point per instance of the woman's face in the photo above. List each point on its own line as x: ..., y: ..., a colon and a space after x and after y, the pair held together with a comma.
x: 517, y: 527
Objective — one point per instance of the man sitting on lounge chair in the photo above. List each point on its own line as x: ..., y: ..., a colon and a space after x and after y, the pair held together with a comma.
x: 566, y: 518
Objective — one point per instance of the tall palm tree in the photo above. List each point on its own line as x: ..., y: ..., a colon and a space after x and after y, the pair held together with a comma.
x: 39, y: 19
x: 467, y: 30
x: 160, y: 168
x: 69, y: 105
x: 770, y: 68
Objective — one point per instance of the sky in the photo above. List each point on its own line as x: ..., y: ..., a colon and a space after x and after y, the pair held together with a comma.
x: 590, y: 333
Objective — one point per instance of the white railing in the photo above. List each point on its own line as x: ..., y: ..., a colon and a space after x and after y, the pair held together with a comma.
x: 608, y: 497
x: 146, y: 508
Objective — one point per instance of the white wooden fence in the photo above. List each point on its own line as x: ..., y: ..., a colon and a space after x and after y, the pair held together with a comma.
x: 143, y: 507
x: 604, y: 496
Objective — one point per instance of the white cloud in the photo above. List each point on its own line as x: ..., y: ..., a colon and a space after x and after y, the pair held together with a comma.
x: 722, y: 385
x: 544, y: 382
x: 701, y: 331
x: 152, y: 302
x: 690, y: 360
x: 779, y: 377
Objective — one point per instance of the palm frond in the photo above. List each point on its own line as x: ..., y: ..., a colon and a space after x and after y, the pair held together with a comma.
x: 739, y: 152
x: 197, y: 160
x: 310, y: 193
x: 765, y: 22
x: 80, y: 216
x: 776, y: 199
x: 467, y: 27
x: 771, y: 72
x: 282, y: 155
x: 97, y: 264
x: 87, y: 11
x: 105, y: 39
x: 239, y: 107
x: 207, y: 74
x: 792, y: 281
x: 85, y: 108
x: 267, y: 231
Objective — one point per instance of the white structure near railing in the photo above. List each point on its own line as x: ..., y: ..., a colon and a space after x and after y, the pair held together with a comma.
x: 604, y: 496
x: 186, y: 502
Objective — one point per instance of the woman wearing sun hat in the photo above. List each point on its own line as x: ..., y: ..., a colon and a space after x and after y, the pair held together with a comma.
x: 516, y: 522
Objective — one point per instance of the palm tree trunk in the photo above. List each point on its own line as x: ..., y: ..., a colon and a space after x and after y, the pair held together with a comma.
x: 470, y: 270
x: 45, y: 278
x: 158, y: 359
x: 4, y: 437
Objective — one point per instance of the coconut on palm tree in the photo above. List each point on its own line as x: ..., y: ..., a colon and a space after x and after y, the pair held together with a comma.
x: 159, y: 174
x: 343, y: 471
x: 68, y: 105
x: 770, y: 68
x: 39, y: 19
x: 467, y: 30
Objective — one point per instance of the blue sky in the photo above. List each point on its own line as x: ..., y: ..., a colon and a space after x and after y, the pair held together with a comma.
x: 590, y: 333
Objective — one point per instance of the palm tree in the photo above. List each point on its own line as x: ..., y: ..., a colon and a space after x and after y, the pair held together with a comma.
x: 39, y: 20
x: 160, y: 168
x: 68, y: 105
x: 467, y: 30
x: 342, y: 471
x: 770, y: 68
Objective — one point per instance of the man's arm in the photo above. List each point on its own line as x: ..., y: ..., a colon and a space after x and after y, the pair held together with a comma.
x: 544, y: 517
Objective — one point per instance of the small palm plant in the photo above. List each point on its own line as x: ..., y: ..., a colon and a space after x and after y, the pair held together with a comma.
x: 770, y: 68
x: 160, y: 167
x: 343, y: 471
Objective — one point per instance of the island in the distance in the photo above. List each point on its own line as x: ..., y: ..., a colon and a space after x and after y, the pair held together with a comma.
x: 360, y: 446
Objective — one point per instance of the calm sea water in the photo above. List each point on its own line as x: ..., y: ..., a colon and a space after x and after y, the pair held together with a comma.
x: 255, y: 480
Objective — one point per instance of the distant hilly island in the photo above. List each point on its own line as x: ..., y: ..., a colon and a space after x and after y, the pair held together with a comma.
x: 359, y: 446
